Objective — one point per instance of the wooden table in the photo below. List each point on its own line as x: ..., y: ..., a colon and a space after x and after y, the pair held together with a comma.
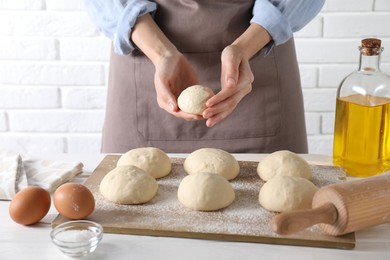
x: 33, y: 242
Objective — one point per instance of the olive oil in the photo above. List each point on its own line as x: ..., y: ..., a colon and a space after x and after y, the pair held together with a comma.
x: 362, y: 135
x: 362, y: 124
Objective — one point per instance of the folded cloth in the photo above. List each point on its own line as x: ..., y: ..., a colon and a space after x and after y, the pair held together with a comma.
x: 18, y: 171
x: 12, y: 174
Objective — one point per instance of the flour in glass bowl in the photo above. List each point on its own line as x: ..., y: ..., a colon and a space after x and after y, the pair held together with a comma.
x: 75, y: 236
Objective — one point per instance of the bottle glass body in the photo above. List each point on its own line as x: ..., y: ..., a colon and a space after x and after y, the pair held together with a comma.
x: 362, y: 123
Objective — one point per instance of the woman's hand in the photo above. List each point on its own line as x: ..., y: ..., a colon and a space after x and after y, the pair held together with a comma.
x: 236, y: 75
x: 236, y: 83
x: 173, y: 74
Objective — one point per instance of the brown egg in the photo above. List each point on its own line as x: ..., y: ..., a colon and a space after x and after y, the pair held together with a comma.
x: 29, y: 205
x: 74, y: 201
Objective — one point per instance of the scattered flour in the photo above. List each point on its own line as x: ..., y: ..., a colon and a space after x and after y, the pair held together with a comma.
x: 164, y: 212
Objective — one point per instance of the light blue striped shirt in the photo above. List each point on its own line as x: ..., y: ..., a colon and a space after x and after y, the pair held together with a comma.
x: 281, y: 18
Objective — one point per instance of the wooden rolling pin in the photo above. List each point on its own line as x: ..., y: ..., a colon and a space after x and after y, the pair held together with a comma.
x: 342, y: 208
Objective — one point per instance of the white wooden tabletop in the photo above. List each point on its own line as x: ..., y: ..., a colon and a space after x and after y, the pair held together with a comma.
x: 33, y: 242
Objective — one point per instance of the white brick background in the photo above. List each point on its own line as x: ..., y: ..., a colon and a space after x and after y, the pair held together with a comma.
x: 54, y: 67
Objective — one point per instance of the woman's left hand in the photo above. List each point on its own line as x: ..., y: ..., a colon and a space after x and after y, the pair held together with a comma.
x: 236, y: 83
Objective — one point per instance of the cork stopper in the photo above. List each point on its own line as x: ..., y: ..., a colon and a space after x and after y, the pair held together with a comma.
x: 371, y: 46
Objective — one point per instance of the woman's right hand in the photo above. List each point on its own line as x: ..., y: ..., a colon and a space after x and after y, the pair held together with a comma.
x: 173, y: 71
x: 173, y: 74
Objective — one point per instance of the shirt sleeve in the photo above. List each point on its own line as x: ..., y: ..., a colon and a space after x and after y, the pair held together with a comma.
x: 281, y: 18
x: 116, y: 18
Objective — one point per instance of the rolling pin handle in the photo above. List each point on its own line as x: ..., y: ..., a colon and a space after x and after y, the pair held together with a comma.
x: 290, y: 222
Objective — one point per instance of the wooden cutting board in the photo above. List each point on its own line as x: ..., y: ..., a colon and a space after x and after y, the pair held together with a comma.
x: 244, y: 220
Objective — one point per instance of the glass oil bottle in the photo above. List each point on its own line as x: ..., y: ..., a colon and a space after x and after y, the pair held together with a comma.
x: 362, y: 123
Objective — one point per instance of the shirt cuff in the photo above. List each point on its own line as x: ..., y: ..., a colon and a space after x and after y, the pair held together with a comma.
x: 269, y: 17
x: 126, y: 21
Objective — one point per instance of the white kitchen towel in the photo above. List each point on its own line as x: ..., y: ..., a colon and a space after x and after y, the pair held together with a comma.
x: 19, y: 171
x: 12, y: 175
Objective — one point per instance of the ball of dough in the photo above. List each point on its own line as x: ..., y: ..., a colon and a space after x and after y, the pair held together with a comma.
x: 205, y: 192
x: 283, y: 193
x: 283, y: 163
x: 193, y: 99
x: 213, y: 161
x: 150, y: 159
x: 128, y: 185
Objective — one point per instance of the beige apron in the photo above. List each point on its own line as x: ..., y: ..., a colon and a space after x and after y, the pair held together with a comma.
x: 269, y: 118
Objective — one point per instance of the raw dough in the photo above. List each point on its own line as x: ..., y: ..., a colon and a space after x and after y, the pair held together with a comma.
x: 213, y: 161
x: 205, y: 192
x: 283, y: 163
x: 128, y: 185
x: 150, y: 159
x: 283, y: 193
x: 193, y: 99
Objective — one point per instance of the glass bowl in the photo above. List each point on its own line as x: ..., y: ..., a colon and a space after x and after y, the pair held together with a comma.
x: 77, y: 238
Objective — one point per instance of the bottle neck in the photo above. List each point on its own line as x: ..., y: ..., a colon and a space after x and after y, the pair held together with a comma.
x: 369, y: 62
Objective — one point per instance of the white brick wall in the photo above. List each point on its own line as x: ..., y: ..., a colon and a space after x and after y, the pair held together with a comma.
x: 327, y: 52
x: 54, y: 67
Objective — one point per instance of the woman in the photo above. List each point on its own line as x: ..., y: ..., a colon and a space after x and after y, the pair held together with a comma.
x: 242, y: 49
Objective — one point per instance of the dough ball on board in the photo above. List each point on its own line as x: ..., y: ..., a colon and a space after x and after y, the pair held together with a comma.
x: 150, y: 159
x: 193, y: 99
x: 128, y: 185
x: 283, y: 163
x: 205, y: 192
x: 213, y: 161
x: 283, y: 193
